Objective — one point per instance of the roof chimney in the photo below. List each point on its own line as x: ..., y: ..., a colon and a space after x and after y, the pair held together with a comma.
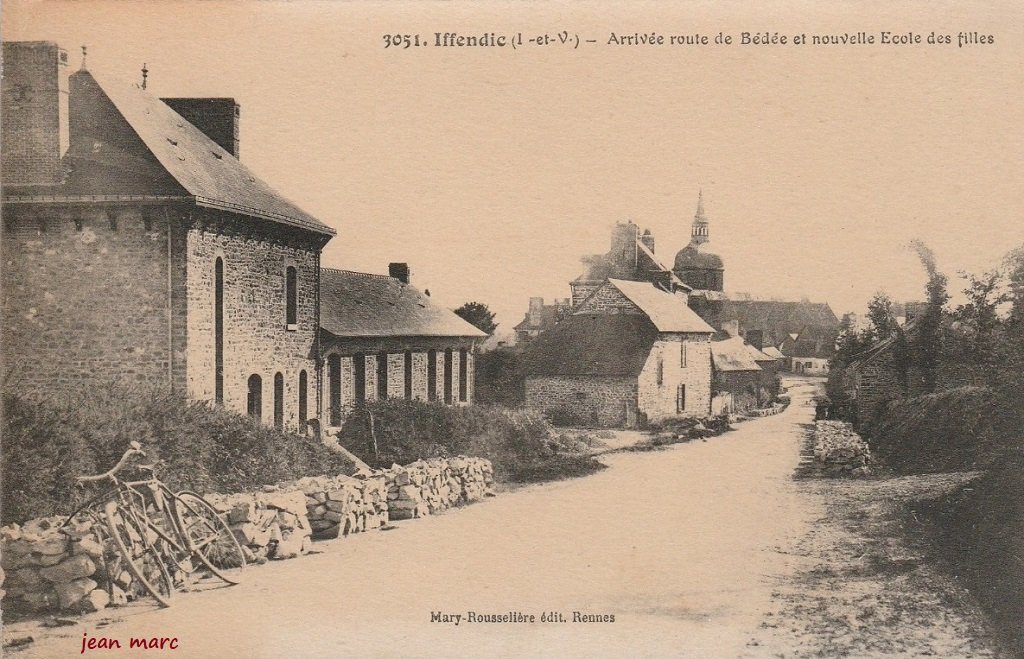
x: 399, y: 271
x: 731, y: 327
x: 217, y: 118
x: 35, y: 108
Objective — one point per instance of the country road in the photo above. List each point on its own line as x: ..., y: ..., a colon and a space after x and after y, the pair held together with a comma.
x: 685, y: 547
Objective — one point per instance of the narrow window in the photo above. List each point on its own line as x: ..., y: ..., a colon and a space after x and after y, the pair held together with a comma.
x: 382, y: 376
x: 279, y: 401
x: 660, y: 370
x: 334, y: 384
x: 291, y: 297
x: 360, y: 376
x: 431, y: 375
x: 463, y: 375
x: 255, y: 398
x: 218, y: 330
x: 682, y: 355
x: 680, y: 398
x: 448, y: 376
x: 303, y: 414
x: 408, y: 375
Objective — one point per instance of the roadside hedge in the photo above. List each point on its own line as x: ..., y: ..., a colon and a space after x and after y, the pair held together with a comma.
x: 48, y: 441
x: 519, y: 443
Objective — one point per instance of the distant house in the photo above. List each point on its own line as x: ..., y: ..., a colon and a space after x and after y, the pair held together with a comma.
x: 539, y: 318
x: 382, y: 338
x: 810, y: 351
x: 742, y: 373
x: 629, y: 352
x: 766, y: 323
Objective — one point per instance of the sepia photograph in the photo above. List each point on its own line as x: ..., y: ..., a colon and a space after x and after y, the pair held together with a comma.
x: 491, y: 329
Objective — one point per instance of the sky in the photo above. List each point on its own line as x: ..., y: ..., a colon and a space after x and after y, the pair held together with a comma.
x: 491, y: 171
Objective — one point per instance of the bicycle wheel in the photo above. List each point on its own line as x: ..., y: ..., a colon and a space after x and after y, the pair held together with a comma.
x: 141, y: 558
x: 208, y: 537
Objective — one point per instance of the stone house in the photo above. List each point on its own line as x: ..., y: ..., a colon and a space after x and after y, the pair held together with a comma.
x: 539, y: 318
x: 765, y: 323
x: 137, y: 247
x: 382, y: 338
x: 810, y: 350
x: 742, y: 373
x: 630, y: 352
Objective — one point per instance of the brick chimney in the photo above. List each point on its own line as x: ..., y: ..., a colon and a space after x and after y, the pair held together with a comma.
x: 35, y: 112
x: 216, y: 117
x: 400, y: 271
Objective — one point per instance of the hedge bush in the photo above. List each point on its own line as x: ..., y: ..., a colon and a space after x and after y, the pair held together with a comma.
x: 48, y: 441
x: 519, y: 443
x: 946, y: 431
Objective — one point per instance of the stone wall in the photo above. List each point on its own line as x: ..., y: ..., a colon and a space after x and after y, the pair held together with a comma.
x: 608, y: 299
x: 257, y: 338
x: 606, y: 402
x: 44, y: 568
x: 86, y: 296
x: 658, y: 400
x: 839, y: 451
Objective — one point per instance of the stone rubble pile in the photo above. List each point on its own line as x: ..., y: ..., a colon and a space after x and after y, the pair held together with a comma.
x: 271, y: 524
x: 839, y: 451
x: 426, y: 487
x: 44, y: 568
x: 339, y: 505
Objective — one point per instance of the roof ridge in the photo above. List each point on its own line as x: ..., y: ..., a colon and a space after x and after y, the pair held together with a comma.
x: 369, y: 275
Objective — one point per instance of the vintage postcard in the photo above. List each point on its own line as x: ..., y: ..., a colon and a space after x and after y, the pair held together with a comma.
x: 491, y: 329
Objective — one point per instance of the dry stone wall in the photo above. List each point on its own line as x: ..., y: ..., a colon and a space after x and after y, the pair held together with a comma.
x: 45, y: 568
x: 839, y: 451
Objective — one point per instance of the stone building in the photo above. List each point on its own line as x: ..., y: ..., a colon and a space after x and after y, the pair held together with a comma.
x: 765, y: 323
x: 382, y: 338
x: 631, y: 258
x: 742, y: 373
x: 138, y: 248
x: 539, y: 318
x: 629, y: 352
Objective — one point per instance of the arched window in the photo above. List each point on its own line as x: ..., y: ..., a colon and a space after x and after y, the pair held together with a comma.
x: 448, y: 376
x: 279, y: 401
x: 360, y: 377
x: 303, y: 412
x: 431, y: 375
x: 382, y: 376
x: 463, y: 376
x: 408, y: 375
x: 291, y: 297
x: 218, y: 331
x: 334, y: 388
x: 254, y: 402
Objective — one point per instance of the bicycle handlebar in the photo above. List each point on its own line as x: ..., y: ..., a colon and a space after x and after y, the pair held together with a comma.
x: 134, y: 448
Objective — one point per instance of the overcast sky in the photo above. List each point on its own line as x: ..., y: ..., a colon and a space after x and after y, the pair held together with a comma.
x: 492, y: 171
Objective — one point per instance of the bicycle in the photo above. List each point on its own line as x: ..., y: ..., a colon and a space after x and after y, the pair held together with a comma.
x: 152, y: 528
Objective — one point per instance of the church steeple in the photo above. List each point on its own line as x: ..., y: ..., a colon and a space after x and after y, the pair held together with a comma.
x: 699, y: 234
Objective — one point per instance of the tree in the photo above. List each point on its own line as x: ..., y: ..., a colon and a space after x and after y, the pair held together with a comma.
x: 978, y: 318
x: 882, y: 317
x: 927, y: 344
x: 478, y: 315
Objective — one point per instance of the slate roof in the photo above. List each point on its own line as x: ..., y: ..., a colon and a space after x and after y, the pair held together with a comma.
x: 666, y: 311
x: 779, y: 318
x: 357, y: 304
x: 732, y: 355
x: 773, y: 352
x: 592, y: 344
x: 758, y: 355
x: 206, y: 172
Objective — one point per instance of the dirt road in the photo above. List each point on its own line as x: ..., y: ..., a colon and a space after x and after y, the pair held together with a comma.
x: 699, y: 550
